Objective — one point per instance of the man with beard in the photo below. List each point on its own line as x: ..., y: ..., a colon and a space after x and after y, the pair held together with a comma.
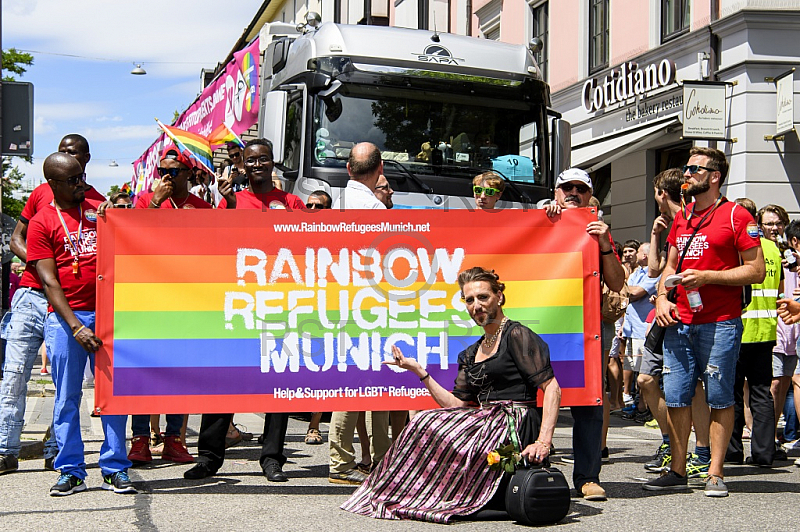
x: 573, y: 191
x: 383, y: 191
x: 702, y: 339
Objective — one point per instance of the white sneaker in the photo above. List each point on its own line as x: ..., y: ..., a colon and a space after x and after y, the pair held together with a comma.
x: 791, y: 445
x: 797, y: 462
x: 627, y: 399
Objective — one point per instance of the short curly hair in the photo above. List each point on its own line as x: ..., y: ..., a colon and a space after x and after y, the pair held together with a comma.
x: 478, y: 274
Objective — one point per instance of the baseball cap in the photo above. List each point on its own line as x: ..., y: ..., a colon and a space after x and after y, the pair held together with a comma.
x: 574, y: 174
x: 172, y: 152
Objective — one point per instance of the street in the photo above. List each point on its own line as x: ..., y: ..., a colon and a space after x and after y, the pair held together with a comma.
x: 240, y: 498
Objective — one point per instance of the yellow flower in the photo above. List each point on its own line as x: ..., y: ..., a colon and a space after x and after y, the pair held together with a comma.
x: 493, y: 458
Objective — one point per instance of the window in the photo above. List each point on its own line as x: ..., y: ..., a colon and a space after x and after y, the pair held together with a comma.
x: 540, y: 24
x: 489, y: 20
x: 675, y: 18
x: 598, y: 35
x: 422, y: 14
x: 293, y: 135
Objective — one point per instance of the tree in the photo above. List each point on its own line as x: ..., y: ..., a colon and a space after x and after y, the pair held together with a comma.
x: 14, y: 62
x: 113, y: 190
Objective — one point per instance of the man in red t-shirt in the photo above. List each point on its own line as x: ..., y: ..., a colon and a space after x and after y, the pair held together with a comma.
x: 172, y: 191
x: 702, y: 341
x: 62, y: 247
x: 23, y: 326
x: 261, y: 194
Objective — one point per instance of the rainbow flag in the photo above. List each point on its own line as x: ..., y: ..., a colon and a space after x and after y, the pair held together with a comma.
x: 192, y: 144
x: 126, y: 188
x: 268, y: 313
x: 222, y: 135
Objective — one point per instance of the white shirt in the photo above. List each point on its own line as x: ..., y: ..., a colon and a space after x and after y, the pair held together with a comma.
x: 357, y: 196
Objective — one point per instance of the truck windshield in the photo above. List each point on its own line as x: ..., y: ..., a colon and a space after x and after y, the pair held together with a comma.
x: 431, y: 132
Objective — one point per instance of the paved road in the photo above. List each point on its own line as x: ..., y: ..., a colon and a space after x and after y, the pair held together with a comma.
x: 240, y: 498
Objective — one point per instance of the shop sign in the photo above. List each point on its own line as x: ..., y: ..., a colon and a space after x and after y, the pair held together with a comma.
x: 704, y: 114
x: 626, y: 82
x: 785, y: 113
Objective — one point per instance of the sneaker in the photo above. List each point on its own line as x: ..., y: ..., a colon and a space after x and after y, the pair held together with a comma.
x: 604, y: 457
x: 652, y: 424
x: 643, y: 417
x: 791, y: 445
x: 567, y: 458
x: 44, y: 371
x: 780, y: 453
x: 668, y: 481
x: 627, y: 399
x: 67, y: 485
x: 715, y: 487
x: 175, y: 450
x: 351, y: 476
x: 200, y: 470
x: 797, y: 462
x: 48, y: 463
x: 696, y: 468
x: 140, y: 450
x: 8, y: 463
x: 661, y: 460
x: 119, y: 482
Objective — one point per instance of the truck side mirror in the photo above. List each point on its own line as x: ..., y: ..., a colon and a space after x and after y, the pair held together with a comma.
x: 561, y: 152
x: 274, y: 125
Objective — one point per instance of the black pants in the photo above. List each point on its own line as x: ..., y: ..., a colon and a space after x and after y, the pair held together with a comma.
x: 214, y: 428
x: 755, y: 364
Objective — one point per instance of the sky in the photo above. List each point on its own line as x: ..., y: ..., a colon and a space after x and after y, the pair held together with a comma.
x: 100, y: 99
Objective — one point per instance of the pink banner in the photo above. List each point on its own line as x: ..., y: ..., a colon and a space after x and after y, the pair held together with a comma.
x: 232, y: 99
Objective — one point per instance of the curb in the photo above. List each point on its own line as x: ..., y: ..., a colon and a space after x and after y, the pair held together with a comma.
x: 31, y: 449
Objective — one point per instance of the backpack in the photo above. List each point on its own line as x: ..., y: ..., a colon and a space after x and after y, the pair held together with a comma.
x: 614, y: 303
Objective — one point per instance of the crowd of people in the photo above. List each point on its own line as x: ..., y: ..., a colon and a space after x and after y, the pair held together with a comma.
x: 710, y: 279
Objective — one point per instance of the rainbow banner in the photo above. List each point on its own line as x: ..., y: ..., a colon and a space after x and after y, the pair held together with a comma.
x: 251, y: 311
x: 193, y: 145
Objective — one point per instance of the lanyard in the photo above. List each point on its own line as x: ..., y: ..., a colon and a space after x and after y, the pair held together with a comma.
x: 73, y: 245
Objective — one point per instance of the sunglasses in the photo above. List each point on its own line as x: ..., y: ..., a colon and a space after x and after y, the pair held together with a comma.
x: 74, y: 180
x: 385, y: 188
x: 172, y: 172
x: 235, y: 155
x: 123, y: 206
x: 693, y: 168
x: 484, y: 190
x: 569, y: 187
x: 314, y: 206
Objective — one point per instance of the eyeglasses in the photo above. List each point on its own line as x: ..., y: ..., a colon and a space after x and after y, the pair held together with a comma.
x: 772, y: 224
x: 693, y: 168
x: 385, y: 188
x: 251, y: 161
x: 172, y: 172
x: 314, y: 206
x: 569, y: 187
x: 484, y: 190
x: 123, y: 206
x: 73, y: 181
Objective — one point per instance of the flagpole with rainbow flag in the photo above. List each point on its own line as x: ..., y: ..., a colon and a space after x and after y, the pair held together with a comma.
x: 193, y: 144
x: 222, y: 135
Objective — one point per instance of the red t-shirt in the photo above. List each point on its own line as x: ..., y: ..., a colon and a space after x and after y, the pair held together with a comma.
x: 275, y: 199
x: 47, y: 240
x: 728, y: 231
x: 41, y: 197
x: 190, y: 202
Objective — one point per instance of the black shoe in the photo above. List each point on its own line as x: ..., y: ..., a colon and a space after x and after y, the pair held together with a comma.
x: 8, y: 463
x: 604, y: 458
x: 737, y: 459
x: 48, y: 463
x: 643, y: 417
x: 67, y: 485
x: 200, y: 470
x: 668, y: 481
x: 780, y: 454
x: 119, y: 482
x: 274, y: 472
x: 750, y: 461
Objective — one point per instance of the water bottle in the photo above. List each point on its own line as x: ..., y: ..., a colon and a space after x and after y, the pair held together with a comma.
x: 695, y: 301
x: 791, y: 260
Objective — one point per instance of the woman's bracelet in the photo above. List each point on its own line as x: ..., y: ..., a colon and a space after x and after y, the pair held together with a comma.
x: 543, y: 443
x: 422, y: 379
x: 75, y: 334
x: 153, y: 203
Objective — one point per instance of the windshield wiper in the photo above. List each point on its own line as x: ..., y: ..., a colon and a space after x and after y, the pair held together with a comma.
x: 423, y: 185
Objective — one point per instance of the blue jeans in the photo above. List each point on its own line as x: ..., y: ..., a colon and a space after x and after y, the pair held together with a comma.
x: 140, y: 425
x: 67, y: 361
x: 23, y: 330
x: 706, y: 351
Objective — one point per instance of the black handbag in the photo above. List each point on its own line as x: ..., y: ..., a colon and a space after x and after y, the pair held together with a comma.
x: 654, y: 342
x: 535, y: 495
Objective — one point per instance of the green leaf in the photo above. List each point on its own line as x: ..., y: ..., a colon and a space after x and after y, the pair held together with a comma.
x: 509, y: 467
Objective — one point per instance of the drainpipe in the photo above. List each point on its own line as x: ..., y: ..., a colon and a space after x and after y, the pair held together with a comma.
x: 469, y: 18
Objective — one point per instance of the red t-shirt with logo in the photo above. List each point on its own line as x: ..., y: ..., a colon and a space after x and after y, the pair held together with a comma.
x: 47, y: 240
x: 189, y: 202
x: 275, y: 199
x: 726, y: 232
x: 41, y: 197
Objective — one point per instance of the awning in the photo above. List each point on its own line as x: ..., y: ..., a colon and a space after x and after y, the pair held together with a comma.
x: 604, y: 150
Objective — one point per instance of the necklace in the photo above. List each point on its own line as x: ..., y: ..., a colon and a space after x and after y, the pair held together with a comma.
x: 489, y: 342
x: 182, y: 203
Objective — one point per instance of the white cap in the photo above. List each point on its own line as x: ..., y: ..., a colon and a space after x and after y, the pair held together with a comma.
x: 574, y: 174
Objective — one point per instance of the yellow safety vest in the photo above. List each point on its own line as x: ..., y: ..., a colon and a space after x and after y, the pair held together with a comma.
x: 760, y: 318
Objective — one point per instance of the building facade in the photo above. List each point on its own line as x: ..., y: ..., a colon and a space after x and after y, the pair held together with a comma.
x: 616, y: 70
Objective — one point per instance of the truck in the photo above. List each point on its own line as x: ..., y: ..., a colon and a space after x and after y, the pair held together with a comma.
x: 442, y: 108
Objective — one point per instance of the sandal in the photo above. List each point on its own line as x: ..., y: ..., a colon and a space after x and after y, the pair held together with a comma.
x: 233, y: 437
x: 313, y: 437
